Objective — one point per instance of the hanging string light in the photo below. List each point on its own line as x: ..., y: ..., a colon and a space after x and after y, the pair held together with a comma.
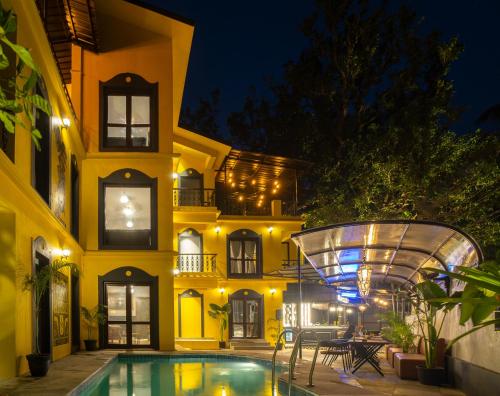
x: 364, y: 277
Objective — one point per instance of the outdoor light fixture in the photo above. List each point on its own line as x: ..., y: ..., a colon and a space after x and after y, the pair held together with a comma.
x: 222, y: 290
x: 241, y: 198
x: 56, y: 121
x: 376, y: 299
x: 270, y: 229
x: 217, y: 229
x: 364, y: 277
x: 272, y: 291
x: 176, y: 271
x: 66, y: 122
x: 253, y: 182
x: 61, y: 252
x: 362, y: 308
x: 175, y: 175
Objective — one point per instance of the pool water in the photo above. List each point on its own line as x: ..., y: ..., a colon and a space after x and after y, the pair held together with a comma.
x: 183, y: 375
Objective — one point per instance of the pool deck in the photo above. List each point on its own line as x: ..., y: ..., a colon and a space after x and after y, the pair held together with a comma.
x: 67, y: 373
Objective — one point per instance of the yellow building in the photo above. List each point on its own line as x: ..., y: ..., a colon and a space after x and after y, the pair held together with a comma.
x: 161, y: 221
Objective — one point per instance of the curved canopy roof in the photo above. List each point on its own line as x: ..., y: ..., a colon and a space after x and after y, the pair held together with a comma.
x: 398, y: 251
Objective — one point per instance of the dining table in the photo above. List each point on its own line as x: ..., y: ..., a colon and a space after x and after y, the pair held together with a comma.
x: 365, y: 351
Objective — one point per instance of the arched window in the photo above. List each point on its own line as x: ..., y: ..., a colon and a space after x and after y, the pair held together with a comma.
x: 129, y: 114
x: 128, y: 211
x: 244, y: 251
x: 190, y: 258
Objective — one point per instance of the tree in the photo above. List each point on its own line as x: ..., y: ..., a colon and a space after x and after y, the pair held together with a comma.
x: 203, y: 119
x: 369, y: 102
x: 17, y: 97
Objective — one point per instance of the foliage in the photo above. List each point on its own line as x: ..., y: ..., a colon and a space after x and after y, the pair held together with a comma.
x: 429, y: 299
x: 397, y: 330
x: 39, y: 283
x: 480, y: 297
x: 221, y: 313
x: 203, y: 119
x: 93, y: 317
x: 274, y: 328
x: 17, y: 97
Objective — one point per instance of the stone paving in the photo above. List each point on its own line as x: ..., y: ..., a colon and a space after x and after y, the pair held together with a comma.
x: 65, y: 374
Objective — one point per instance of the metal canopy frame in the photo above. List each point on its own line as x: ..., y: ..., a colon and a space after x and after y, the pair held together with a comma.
x: 397, y: 250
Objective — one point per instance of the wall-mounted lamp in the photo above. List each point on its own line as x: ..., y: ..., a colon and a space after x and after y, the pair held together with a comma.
x: 272, y: 291
x: 270, y: 229
x: 217, y: 229
x: 66, y: 122
x: 61, y: 252
x: 175, y: 175
x: 56, y: 121
x: 222, y: 291
x: 176, y: 271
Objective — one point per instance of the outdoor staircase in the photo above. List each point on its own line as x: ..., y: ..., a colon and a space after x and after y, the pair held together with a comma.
x: 250, y: 344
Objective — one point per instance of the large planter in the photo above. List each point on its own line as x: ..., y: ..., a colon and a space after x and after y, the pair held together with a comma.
x: 38, y: 364
x: 222, y: 344
x: 431, y: 376
x: 90, y: 345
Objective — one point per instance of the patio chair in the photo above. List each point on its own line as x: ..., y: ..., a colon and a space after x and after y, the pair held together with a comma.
x: 340, y: 348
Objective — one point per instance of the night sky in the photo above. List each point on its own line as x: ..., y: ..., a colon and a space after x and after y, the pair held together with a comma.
x: 239, y: 44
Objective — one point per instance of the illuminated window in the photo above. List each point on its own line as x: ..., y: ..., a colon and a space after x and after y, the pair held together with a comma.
x: 127, y: 211
x: 244, y: 254
x: 129, y: 114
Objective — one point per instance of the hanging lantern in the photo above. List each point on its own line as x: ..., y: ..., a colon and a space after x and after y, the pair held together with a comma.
x: 364, y: 279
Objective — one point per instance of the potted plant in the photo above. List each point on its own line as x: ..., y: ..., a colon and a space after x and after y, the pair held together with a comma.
x: 92, y: 318
x: 221, y: 313
x: 477, y: 302
x: 38, y: 284
x: 274, y: 330
x: 398, y: 331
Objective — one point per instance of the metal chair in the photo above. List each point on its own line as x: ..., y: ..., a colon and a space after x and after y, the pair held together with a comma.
x: 338, y: 348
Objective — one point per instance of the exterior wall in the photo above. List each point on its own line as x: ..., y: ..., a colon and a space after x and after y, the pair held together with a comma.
x: 480, y: 348
x: 24, y: 216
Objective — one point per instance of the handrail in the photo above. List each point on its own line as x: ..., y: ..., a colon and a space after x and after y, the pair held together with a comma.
x: 273, y: 365
x: 293, y: 357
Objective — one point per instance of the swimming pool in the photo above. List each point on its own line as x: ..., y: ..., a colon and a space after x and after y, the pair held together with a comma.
x: 183, y: 375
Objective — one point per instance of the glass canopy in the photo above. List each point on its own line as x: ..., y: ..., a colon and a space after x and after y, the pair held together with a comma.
x: 398, y: 251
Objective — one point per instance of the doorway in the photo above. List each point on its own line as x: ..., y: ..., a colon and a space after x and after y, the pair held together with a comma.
x: 190, y: 316
x: 130, y: 296
x: 246, y: 314
x: 190, y: 251
x: 191, y: 188
x: 44, y: 316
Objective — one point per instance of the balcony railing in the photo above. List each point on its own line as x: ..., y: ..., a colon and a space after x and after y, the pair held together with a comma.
x: 194, y: 197
x: 196, y: 263
x: 251, y: 208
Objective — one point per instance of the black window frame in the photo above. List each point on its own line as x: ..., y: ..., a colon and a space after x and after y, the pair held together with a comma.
x: 128, y: 85
x: 135, y: 179
x: 243, y: 235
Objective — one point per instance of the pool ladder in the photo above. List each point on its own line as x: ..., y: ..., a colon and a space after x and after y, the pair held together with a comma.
x: 297, y: 350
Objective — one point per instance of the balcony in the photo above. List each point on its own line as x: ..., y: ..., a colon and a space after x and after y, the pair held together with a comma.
x: 252, y: 207
x: 198, y: 263
x: 194, y: 197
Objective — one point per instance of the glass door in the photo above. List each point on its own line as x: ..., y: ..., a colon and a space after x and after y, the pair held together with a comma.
x: 129, y: 315
x: 246, y: 318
